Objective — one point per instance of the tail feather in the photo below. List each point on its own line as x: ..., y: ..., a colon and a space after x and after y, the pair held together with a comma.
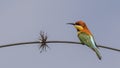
x: 97, y: 53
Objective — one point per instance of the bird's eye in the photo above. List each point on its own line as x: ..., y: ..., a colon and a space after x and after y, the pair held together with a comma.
x: 77, y: 23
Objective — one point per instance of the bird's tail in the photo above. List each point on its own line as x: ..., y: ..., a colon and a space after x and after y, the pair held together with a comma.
x: 97, y: 53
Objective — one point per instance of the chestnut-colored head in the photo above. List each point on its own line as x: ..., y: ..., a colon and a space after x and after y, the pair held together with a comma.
x: 80, y: 25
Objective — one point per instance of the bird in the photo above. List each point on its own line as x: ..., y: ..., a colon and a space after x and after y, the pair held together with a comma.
x: 86, y: 37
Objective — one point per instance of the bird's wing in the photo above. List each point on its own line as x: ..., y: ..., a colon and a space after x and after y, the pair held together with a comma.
x: 94, y: 40
x: 87, y: 39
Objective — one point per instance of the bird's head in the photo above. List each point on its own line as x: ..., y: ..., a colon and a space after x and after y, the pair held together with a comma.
x: 79, y: 25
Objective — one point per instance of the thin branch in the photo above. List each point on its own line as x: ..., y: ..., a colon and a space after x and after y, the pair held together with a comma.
x: 43, y: 43
x: 16, y: 44
x: 110, y: 48
x: 44, y: 46
x: 71, y: 42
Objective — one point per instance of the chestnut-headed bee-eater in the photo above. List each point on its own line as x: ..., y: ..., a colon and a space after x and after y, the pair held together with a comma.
x: 86, y: 37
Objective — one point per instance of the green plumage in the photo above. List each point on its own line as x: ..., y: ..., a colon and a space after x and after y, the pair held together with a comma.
x: 90, y: 42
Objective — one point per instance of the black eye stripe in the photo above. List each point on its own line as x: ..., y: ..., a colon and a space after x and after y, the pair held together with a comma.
x: 77, y: 24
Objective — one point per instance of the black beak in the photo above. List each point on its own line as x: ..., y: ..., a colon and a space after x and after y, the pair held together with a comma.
x: 71, y: 23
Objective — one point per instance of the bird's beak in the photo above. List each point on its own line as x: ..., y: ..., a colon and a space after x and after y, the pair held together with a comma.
x: 71, y: 23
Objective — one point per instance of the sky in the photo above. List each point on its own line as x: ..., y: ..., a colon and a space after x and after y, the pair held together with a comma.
x: 22, y: 21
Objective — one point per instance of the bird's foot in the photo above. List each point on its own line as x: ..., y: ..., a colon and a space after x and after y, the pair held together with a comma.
x: 82, y: 43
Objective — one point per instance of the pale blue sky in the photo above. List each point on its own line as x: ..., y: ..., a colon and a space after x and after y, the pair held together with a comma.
x: 22, y: 20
